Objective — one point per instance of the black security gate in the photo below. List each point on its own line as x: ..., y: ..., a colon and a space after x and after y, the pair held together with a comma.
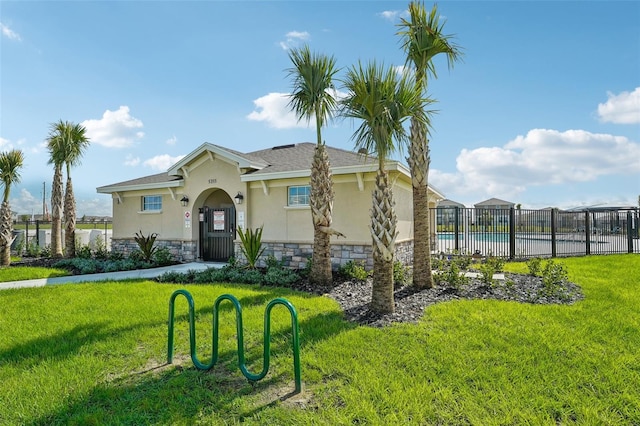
x: 217, y: 232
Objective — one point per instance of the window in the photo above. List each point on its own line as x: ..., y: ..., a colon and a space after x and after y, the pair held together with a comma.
x: 299, y: 195
x: 151, y: 203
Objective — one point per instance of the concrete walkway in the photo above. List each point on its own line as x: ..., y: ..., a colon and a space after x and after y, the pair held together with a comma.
x: 112, y: 276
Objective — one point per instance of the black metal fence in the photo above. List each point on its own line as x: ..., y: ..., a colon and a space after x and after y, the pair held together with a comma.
x: 520, y: 233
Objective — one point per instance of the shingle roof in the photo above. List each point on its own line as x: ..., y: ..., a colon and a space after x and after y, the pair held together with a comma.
x: 299, y: 156
x: 281, y: 159
x: 159, y: 178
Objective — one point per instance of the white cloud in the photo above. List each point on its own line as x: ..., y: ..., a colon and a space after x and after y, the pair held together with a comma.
x: 132, y: 161
x: 9, y: 33
x: 172, y: 140
x: 274, y: 110
x: 293, y: 38
x: 392, y: 15
x: 541, y: 157
x: 5, y: 143
x: 116, y: 129
x: 162, y: 162
x: 621, y: 109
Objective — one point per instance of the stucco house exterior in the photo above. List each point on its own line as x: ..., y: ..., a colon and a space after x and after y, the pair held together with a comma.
x: 196, y: 206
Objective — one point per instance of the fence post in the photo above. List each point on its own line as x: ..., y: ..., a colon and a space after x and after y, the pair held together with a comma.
x: 38, y: 233
x: 512, y: 233
x: 587, y: 233
x: 554, y: 250
x: 629, y: 233
x: 456, y: 229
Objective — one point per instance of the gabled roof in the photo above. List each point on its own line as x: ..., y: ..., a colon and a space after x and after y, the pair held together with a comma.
x: 244, y: 161
x: 160, y: 180
x: 494, y: 202
x: 280, y: 162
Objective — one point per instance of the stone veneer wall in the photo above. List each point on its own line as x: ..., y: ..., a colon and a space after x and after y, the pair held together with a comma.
x: 295, y: 255
x: 292, y: 255
x: 181, y: 250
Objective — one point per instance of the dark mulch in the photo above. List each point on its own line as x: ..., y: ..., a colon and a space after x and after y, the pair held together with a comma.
x: 354, y: 296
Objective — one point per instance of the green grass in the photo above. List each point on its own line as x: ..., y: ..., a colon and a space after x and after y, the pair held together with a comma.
x: 19, y: 273
x: 96, y: 354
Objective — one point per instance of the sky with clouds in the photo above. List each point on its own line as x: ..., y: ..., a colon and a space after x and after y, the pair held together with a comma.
x: 543, y: 110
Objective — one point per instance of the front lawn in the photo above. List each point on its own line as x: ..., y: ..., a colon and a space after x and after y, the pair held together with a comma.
x: 96, y: 354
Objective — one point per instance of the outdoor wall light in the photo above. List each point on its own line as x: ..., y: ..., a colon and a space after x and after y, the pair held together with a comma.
x: 239, y: 198
x: 184, y: 201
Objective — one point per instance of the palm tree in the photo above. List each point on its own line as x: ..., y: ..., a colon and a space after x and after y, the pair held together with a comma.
x: 383, y: 102
x: 66, y: 144
x: 423, y: 39
x: 312, y: 96
x: 10, y: 164
x: 73, y: 148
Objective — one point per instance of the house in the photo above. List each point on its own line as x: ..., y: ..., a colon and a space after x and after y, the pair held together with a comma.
x: 197, y: 205
x: 493, y: 212
x: 446, y: 214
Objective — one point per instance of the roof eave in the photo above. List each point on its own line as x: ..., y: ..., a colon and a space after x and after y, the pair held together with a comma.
x: 110, y: 189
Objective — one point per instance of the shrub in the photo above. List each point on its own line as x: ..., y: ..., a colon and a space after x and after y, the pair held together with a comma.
x: 553, y: 277
x: 163, y: 257
x: 280, y: 277
x: 146, y: 245
x: 33, y: 249
x: 251, y: 245
x: 101, y: 248
x: 354, y: 270
x: 534, y: 265
x: 84, y: 252
x: 454, y: 276
x: 400, y: 273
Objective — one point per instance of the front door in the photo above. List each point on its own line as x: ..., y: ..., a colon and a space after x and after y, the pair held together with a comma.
x: 217, y: 232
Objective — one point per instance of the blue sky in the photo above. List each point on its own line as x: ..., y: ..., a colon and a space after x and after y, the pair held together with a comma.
x: 544, y: 109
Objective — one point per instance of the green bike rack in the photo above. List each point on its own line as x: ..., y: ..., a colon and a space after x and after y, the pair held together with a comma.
x: 239, y: 332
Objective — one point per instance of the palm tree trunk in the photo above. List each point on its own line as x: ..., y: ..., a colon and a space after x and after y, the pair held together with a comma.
x: 69, y: 219
x: 383, y: 233
x: 56, y: 213
x: 321, y: 201
x: 6, y: 234
x: 419, y: 164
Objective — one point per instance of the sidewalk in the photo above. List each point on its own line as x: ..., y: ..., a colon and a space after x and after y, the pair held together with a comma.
x: 112, y: 276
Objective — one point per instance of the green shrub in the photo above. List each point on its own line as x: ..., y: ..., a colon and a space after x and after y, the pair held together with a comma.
x: 454, y: 276
x: 146, y: 245
x: 33, y: 249
x: 83, y: 252
x: 354, y: 270
x: 280, y: 277
x: 163, y: 257
x: 554, y: 276
x: 534, y: 265
x: 400, y: 273
x: 100, y: 251
x: 251, y: 245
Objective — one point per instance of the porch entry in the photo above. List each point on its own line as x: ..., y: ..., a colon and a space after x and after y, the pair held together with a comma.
x: 217, y: 232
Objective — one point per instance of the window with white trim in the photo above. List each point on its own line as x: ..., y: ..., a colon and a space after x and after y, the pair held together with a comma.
x: 151, y: 203
x: 299, y: 195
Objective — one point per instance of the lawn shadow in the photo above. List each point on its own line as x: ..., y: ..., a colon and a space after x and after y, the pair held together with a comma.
x: 162, y: 393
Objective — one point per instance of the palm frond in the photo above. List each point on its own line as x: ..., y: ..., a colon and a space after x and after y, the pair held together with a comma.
x: 313, y: 91
x: 423, y: 39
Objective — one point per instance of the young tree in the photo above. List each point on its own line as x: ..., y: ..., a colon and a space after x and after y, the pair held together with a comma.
x: 382, y: 101
x: 10, y: 164
x: 313, y: 97
x: 423, y: 39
